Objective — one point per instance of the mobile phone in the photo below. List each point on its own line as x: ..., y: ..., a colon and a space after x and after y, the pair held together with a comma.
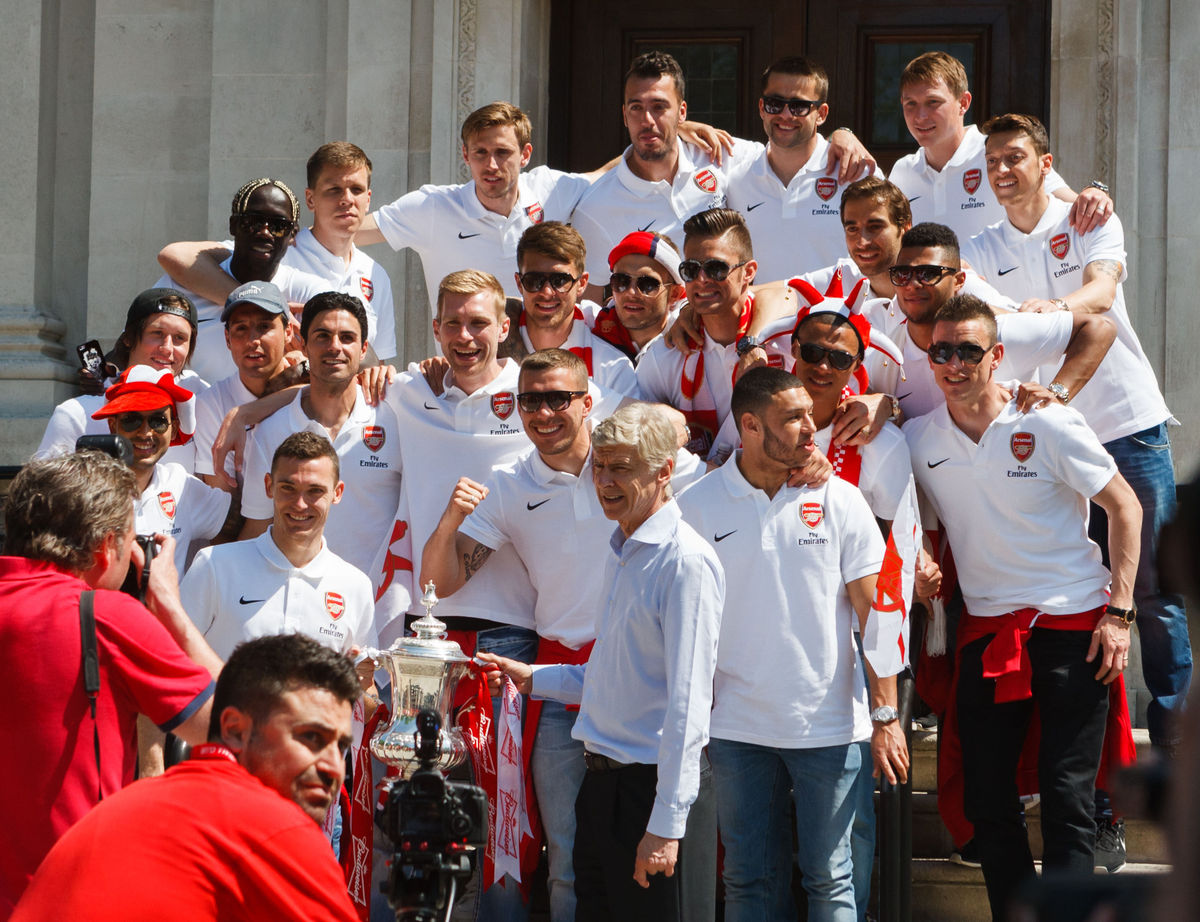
x: 91, y: 357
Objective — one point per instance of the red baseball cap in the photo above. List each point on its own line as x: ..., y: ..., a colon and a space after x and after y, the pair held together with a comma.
x: 140, y: 388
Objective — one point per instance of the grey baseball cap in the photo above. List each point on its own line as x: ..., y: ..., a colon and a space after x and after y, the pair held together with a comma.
x: 260, y: 294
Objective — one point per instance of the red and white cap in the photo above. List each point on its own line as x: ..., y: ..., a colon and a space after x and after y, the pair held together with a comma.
x: 849, y: 307
x: 644, y: 243
x: 141, y: 388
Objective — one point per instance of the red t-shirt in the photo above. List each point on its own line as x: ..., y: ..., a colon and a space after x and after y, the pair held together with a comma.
x: 205, y: 841
x: 48, y: 766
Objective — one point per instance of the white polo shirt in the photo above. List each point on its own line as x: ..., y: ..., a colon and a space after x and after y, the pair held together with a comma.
x: 368, y: 451
x: 885, y: 468
x: 607, y: 365
x: 661, y: 372
x: 182, y: 506
x: 211, y: 359
x: 959, y: 195
x: 450, y: 229
x: 363, y: 277
x: 619, y: 202
x: 788, y: 673
x: 1015, y: 506
x: 1031, y: 341
x: 1123, y: 396
x: 554, y: 522
x: 211, y: 407
x: 447, y: 437
x: 73, y: 418
x: 795, y: 227
x: 248, y: 589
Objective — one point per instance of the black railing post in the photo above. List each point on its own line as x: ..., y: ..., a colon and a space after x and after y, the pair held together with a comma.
x: 895, y: 825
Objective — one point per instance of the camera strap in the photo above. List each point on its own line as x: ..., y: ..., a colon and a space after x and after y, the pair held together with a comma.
x: 91, y: 671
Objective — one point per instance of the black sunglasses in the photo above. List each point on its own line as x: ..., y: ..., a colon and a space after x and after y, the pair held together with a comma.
x: 968, y: 353
x: 647, y: 285
x: 531, y: 401
x: 716, y: 269
x: 815, y: 355
x: 276, y: 227
x: 773, y: 105
x: 133, y: 422
x: 535, y: 281
x: 924, y: 275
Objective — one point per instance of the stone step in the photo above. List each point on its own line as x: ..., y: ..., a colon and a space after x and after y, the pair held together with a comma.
x: 946, y: 892
x: 1144, y: 840
x: 924, y: 756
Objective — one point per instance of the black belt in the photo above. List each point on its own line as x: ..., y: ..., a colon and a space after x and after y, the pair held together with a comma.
x: 598, y: 763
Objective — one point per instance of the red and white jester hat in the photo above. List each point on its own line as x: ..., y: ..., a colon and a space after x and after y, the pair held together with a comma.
x: 141, y: 388
x: 832, y: 302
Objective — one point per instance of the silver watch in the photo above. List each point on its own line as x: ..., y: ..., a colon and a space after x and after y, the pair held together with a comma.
x: 1060, y: 391
x: 884, y: 714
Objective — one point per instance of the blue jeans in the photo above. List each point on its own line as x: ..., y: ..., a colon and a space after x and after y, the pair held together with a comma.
x: 748, y: 779
x: 1144, y: 460
x: 558, y: 770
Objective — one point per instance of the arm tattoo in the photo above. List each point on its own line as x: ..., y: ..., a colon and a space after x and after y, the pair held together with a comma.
x: 475, y: 558
x: 1109, y: 267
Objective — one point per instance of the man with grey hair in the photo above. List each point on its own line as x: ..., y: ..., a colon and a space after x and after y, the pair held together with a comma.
x: 645, y: 695
x: 69, y: 530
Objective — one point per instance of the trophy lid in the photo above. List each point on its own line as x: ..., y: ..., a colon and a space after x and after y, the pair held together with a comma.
x: 429, y: 635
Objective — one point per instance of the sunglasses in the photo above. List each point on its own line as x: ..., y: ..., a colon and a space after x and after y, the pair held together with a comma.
x: 536, y: 281
x: 647, y: 285
x: 773, y: 105
x: 924, y: 275
x: 133, y: 422
x: 531, y: 401
x: 716, y: 269
x: 815, y: 355
x: 276, y: 227
x: 968, y: 353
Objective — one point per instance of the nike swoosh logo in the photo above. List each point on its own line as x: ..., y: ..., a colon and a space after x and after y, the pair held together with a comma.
x: 200, y: 320
x: 933, y: 464
x: 913, y: 199
x: 647, y: 227
x: 752, y: 207
x: 532, y: 506
x: 428, y: 407
x: 246, y: 601
x: 717, y: 537
x: 462, y: 236
x: 1006, y: 271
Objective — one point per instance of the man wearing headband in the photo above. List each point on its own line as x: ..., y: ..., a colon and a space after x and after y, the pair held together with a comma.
x: 551, y: 277
x: 263, y: 222
x: 646, y: 288
x: 147, y: 407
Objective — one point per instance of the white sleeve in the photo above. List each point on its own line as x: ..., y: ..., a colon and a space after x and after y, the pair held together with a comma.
x: 67, y: 423
x: 597, y: 240
x: 205, y: 507
x: 406, y: 221
x: 861, y: 542
x: 208, y: 423
x: 486, y: 524
x: 891, y: 474
x: 255, y: 502
x: 1080, y: 460
x: 1106, y: 242
x: 974, y: 285
x: 1032, y: 340
x: 619, y: 376
x: 652, y: 376
x: 384, y: 343
x: 1054, y: 182
x: 197, y: 591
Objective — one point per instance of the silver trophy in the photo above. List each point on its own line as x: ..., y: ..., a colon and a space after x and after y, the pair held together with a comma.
x: 424, y: 669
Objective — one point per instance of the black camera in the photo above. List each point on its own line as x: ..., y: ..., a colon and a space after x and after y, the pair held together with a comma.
x: 436, y: 827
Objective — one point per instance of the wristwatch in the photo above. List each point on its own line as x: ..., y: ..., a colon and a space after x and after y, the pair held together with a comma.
x: 1060, y: 391
x: 1127, y: 615
x: 1097, y: 184
x: 1060, y: 304
x: 746, y: 343
x: 884, y: 714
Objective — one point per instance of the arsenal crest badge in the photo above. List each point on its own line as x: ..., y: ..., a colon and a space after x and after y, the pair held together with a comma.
x: 502, y: 404
x: 374, y: 437
x: 811, y: 514
x: 971, y: 180
x: 826, y: 186
x: 334, y: 604
x: 1060, y: 245
x: 534, y: 213
x: 367, y: 288
x: 1022, y: 446
x: 706, y: 181
x: 166, y: 502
